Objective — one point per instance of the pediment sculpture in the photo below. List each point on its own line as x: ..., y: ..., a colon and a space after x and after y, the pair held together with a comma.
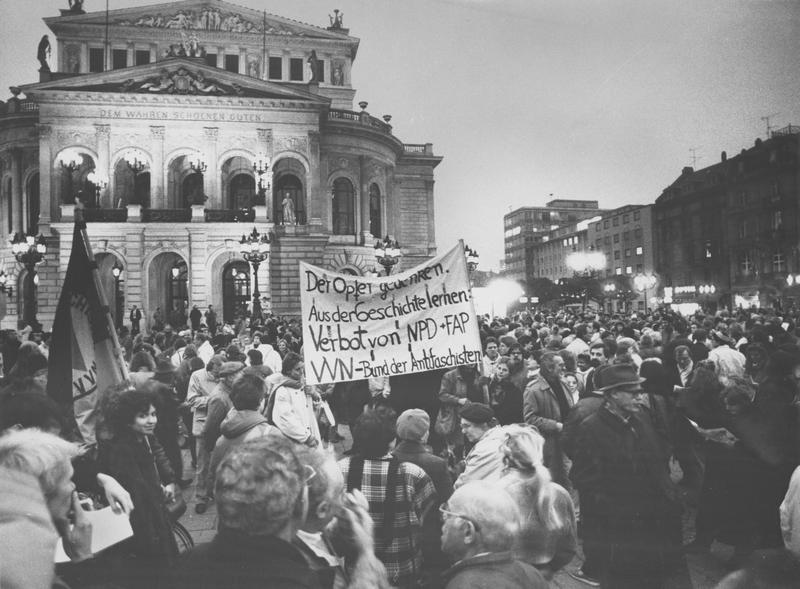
x: 207, y: 19
x: 182, y: 81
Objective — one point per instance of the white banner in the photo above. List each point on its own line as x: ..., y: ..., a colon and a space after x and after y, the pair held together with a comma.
x: 356, y: 327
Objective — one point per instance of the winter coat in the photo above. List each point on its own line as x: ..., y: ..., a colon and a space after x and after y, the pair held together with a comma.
x: 494, y: 570
x: 141, y: 467
x: 239, y: 427
x: 293, y: 411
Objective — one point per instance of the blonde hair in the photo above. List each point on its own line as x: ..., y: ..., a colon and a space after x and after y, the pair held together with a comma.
x: 523, y: 451
x: 40, y: 454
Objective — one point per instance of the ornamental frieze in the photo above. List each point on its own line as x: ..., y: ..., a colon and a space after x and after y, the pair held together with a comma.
x: 291, y: 143
x: 207, y: 19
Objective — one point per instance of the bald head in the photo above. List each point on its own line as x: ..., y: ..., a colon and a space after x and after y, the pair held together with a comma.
x: 492, y: 515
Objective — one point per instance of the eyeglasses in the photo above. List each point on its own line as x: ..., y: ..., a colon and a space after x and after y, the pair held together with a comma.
x: 445, y: 513
x: 310, y: 473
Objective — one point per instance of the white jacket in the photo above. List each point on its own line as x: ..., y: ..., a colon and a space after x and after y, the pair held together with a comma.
x: 293, y: 412
x: 790, y: 515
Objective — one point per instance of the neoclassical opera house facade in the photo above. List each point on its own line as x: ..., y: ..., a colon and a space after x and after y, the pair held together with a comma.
x: 196, y: 122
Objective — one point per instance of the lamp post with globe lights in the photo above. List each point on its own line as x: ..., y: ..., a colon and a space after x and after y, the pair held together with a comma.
x: 388, y: 254
x: 706, y: 290
x: 264, y: 173
x: 643, y: 283
x: 29, y: 251
x: 254, y: 248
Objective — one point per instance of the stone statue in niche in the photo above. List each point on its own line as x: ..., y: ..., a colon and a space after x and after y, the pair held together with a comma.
x: 43, y: 53
x: 288, y: 210
x: 253, y: 66
x: 338, y: 76
x: 313, y: 64
x: 73, y: 59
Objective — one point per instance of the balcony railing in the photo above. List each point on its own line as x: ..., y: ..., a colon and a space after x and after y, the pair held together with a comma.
x: 362, y: 118
x: 166, y: 215
x: 226, y: 216
x: 105, y: 215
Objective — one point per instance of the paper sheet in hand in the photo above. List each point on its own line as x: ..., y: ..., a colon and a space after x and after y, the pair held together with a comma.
x: 108, y: 528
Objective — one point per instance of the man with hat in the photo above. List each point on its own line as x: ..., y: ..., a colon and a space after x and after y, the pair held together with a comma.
x: 484, y: 462
x: 412, y: 429
x: 218, y: 406
x: 629, y: 505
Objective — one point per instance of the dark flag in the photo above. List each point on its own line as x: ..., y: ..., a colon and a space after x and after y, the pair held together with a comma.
x: 85, y: 357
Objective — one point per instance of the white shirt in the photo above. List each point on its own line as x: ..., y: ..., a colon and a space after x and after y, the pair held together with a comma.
x: 790, y: 515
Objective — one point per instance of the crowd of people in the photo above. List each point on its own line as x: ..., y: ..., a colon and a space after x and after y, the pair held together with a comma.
x: 579, y: 438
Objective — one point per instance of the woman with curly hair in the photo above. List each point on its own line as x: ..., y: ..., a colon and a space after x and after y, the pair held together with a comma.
x: 548, y: 535
x: 135, y: 458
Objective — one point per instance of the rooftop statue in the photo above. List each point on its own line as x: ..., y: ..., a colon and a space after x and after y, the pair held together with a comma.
x: 43, y: 53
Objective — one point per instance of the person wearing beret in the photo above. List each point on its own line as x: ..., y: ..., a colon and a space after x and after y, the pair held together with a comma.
x: 629, y: 506
x: 484, y: 461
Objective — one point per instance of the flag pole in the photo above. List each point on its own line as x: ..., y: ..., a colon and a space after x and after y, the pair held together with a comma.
x: 118, y: 354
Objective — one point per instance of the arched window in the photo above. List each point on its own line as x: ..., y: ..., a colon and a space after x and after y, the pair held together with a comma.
x: 235, y: 291
x: 33, y: 203
x: 9, y: 207
x: 375, y: 211
x: 242, y: 188
x: 343, y: 207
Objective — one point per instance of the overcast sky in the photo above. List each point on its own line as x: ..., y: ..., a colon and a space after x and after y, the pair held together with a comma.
x: 527, y: 98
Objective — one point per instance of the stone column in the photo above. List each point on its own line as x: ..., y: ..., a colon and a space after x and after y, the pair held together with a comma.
x: 84, y: 68
x: 103, y: 165
x: 131, y: 54
x: 362, y: 201
x: 314, y: 196
x: 46, y: 170
x: 17, y: 213
x: 429, y: 200
x: 265, y: 145
x: 242, y: 61
x: 158, y: 195
x: 211, y: 179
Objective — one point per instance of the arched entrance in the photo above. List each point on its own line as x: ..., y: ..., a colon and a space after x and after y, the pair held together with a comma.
x: 343, y: 207
x: 235, y: 291
x: 168, y: 288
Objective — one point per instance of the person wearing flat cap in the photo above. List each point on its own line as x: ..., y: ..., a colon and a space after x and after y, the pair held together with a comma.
x: 484, y: 462
x: 629, y: 506
x: 219, y: 404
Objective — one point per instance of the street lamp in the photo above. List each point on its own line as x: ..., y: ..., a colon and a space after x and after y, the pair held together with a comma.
x: 99, y: 182
x: 70, y: 161
x: 643, y: 282
x: 197, y: 164
x: 472, y: 258
x: 136, y: 161
x: 610, y: 289
x: 5, y: 287
x: 255, y: 250
x: 116, y: 271
x: 29, y: 251
x: 262, y: 170
x: 387, y: 253
x: 706, y: 290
